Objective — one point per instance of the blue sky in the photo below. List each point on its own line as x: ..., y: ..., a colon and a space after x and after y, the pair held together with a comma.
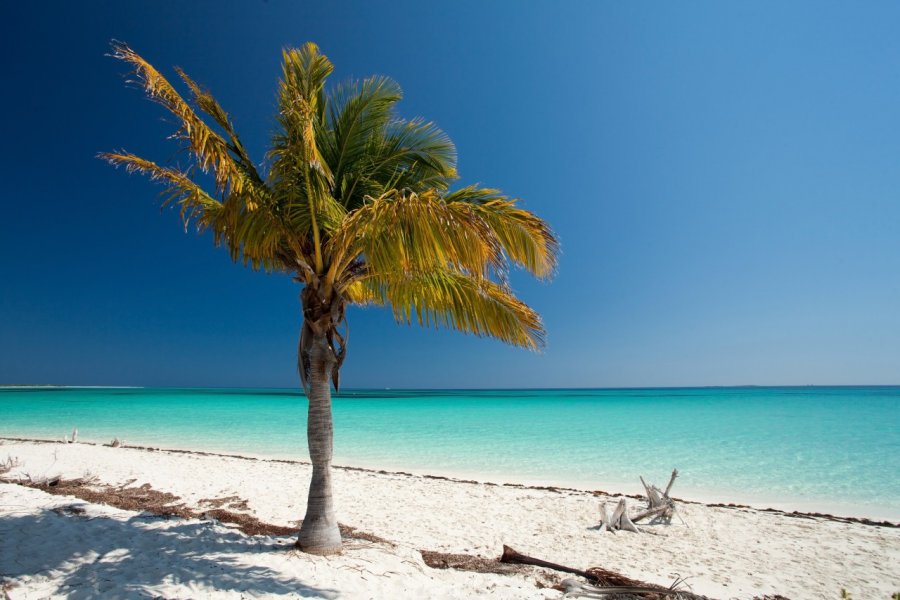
x: 724, y: 177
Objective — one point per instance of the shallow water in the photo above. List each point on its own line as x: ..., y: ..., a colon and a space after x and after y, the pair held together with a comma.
x: 812, y: 448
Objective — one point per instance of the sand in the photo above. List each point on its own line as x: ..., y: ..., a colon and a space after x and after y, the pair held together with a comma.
x: 102, y: 551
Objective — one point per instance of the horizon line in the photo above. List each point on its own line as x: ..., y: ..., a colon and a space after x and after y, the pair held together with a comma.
x: 413, y: 389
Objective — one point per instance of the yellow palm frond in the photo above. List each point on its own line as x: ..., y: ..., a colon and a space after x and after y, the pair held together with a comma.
x: 194, y: 202
x: 251, y: 236
x: 405, y: 231
x: 360, y: 294
x: 301, y: 104
x: 298, y: 167
x: 443, y: 298
x: 209, y: 105
x: 526, y: 239
x: 206, y: 145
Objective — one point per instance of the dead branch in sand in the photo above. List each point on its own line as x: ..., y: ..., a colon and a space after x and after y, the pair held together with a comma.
x: 660, y: 505
x: 660, y: 508
x: 618, y: 520
x: 601, y: 582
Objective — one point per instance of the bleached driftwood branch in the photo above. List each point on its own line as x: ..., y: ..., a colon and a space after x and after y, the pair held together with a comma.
x: 660, y: 507
x: 618, y: 520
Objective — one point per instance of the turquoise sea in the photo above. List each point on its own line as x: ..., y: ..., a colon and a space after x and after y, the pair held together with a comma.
x: 808, y: 448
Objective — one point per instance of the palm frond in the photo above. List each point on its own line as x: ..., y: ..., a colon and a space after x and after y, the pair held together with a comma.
x: 250, y: 236
x: 299, y: 171
x: 301, y: 104
x: 418, y: 154
x: 443, y: 298
x: 360, y: 294
x: 194, y: 202
x: 406, y: 231
x: 406, y: 154
x: 358, y: 113
x: 527, y: 240
x: 209, y: 105
x: 208, y: 147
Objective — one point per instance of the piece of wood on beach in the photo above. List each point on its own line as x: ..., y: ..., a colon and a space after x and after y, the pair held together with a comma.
x: 617, y: 513
x: 619, y: 519
x: 660, y: 505
x: 650, y: 512
x: 627, y: 524
x: 671, y: 481
x: 600, y: 581
x: 604, y: 518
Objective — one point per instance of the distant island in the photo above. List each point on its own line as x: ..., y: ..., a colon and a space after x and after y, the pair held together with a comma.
x: 32, y: 385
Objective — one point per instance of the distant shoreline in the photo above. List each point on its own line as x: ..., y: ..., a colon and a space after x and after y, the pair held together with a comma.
x: 347, y: 390
x: 41, y: 386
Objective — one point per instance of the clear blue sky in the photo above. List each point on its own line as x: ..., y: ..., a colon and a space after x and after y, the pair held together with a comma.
x: 724, y: 177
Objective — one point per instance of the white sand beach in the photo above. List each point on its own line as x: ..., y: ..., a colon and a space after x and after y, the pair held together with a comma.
x: 98, y: 551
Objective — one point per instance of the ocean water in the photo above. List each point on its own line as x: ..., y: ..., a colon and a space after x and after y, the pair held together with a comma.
x: 806, y: 448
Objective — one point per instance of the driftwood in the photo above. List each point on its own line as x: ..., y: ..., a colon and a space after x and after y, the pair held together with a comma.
x: 619, y: 519
x: 511, y: 556
x: 660, y: 507
x: 602, y: 581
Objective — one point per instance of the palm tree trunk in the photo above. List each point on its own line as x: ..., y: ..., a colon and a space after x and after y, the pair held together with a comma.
x: 319, y: 533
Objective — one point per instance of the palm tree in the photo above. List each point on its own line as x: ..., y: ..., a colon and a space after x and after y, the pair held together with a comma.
x: 355, y: 204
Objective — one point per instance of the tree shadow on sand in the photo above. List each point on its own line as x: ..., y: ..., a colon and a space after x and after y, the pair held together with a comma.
x: 107, y: 557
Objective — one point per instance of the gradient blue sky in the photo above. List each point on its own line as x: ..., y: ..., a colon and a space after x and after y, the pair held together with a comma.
x: 724, y: 177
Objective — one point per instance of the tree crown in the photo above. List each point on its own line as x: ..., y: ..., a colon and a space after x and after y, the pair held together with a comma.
x: 355, y: 201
